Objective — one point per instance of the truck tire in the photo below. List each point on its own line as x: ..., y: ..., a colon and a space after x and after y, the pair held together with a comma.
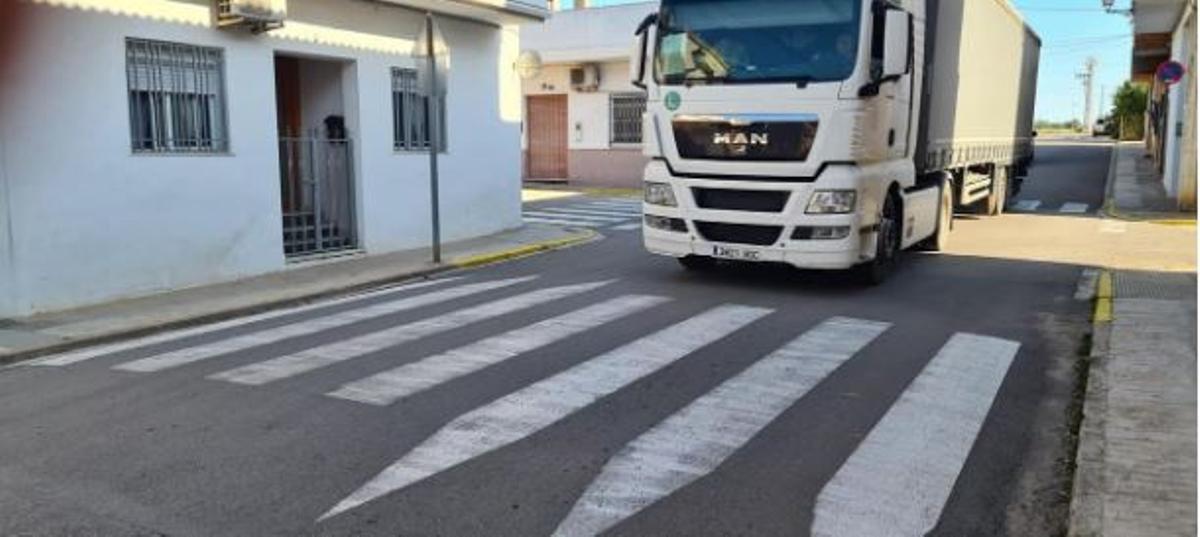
x: 887, y: 244
x: 697, y: 263
x: 940, y: 240
x: 998, y: 199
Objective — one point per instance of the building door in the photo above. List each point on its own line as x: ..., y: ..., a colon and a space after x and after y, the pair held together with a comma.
x: 315, y: 152
x: 547, y: 137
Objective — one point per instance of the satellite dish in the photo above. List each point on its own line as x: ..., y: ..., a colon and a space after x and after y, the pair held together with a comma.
x: 529, y: 64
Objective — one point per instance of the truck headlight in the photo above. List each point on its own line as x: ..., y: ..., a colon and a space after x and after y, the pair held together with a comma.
x: 832, y: 202
x: 659, y: 194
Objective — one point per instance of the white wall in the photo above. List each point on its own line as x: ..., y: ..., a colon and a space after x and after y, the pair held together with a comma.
x: 6, y: 264
x: 91, y: 221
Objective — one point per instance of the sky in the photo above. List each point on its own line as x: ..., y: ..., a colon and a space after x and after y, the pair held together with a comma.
x: 1071, y: 31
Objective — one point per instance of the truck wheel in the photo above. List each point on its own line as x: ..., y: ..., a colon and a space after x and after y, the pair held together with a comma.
x: 945, y: 223
x: 887, y: 244
x: 697, y: 263
x: 998, y: 199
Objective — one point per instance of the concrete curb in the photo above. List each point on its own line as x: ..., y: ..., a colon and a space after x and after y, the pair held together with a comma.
x: 580, y: 237
x: 584, y: 236
x: 1087, y: 498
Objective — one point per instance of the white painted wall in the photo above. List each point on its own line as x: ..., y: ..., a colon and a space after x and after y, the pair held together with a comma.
x: 91, y: 221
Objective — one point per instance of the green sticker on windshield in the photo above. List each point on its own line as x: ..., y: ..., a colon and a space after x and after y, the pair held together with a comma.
x: 672, y: 100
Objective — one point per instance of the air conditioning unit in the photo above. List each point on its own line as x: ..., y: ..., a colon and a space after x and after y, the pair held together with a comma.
x: 256, y: 15
x: 585, y: 77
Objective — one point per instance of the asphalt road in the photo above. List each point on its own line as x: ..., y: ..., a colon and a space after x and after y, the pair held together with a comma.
x: 595, y: 389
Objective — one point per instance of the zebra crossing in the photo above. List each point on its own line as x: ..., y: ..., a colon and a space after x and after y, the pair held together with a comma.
x: 896, y: 481
x: 1029, y: 206
x: 619, y: 214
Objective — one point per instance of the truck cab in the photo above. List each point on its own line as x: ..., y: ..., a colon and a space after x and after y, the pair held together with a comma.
x: 785, y: 131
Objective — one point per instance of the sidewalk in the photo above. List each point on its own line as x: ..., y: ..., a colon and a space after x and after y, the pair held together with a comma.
x: 1136, y: 463
x: 34, y: 336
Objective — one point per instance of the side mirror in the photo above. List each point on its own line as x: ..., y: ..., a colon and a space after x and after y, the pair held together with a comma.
x: 897, y: 45
x: 637, y: 56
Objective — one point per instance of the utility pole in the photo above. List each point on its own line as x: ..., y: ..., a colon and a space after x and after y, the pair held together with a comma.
x: 1088, y: 77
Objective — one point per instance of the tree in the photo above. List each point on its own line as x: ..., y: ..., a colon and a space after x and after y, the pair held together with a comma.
x: 1129, y: 109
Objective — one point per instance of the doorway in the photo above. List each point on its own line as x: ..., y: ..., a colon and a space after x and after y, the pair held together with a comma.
x: 547, y: 137
x: 315, y: 156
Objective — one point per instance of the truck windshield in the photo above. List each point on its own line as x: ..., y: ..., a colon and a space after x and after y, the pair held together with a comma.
x: 751, y: 41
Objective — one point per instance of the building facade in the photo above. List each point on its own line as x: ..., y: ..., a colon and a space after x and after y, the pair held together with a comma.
x: 1165, y: 30
x: 583, y: 119
x: 149, y: 145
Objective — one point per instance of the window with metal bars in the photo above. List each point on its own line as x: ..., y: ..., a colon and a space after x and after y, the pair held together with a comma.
x: 625, y: 113
x: 410, y: 113
x: 176, y: 97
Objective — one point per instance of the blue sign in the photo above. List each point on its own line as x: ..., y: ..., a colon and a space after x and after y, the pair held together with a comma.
x: 1170, y: 72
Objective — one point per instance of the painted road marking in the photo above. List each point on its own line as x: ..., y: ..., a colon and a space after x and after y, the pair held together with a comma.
x: 196, y: 353
x: 592, y: 218
x: 627, y: 227
x: 696, y: 440
x: 1027, y: 205
x: 388, y: 387
x: 1073, y: 208
x: 558, y: 222
x: 598, y: 212
x: 612, y: 204
x: 898, y: 479
x: 1086, y: 288
x: 102, y: 350
x: 540, y: 405
x: 1113, y: 226
x: 340, y: 351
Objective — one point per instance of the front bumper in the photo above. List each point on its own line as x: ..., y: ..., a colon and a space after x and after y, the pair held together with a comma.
x: 830, y: 254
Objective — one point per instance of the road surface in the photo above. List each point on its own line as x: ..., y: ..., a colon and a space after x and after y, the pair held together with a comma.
x: 595, y: 389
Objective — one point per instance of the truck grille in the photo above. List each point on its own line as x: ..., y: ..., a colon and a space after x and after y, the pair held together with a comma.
x: 739, y: 233
x: 734, y: 138
x: 762, y: 201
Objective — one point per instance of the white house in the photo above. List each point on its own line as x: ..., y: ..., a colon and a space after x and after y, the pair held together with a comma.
x: 583, y: 119
x: 1165, y: 30
x: 148, y: 145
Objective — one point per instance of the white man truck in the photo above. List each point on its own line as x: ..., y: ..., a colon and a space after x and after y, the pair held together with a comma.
x: 829, y: 134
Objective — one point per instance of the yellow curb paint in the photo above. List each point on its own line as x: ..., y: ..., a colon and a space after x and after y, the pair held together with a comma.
x: 1104, y: 296
x: 1110, y: 211
x: 522, y: 251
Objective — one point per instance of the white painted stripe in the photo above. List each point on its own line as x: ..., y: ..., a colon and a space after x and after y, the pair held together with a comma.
x: 1028, y: 205
x: 1113, y: 226
x: 540, y: 405
x: 696, y: 440
x: 340, y: 351
x: 102, y: 350
x: 627, y: 227
x: 591, y: 218
x: 197, y: 353
x: 558, y: 222
x: 611, y: 204
x: 898, y: 479
x: 388, y: 387
x: 594, y: 212
x: 1073, y: 208
x: 1086, y: 288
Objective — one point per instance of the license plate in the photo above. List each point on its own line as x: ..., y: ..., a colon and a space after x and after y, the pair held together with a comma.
x: 740, y: 254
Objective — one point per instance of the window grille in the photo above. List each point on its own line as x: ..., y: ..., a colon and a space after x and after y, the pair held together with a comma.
x: 625, y: 110
x: 176, y: 97
x: 410, y: 113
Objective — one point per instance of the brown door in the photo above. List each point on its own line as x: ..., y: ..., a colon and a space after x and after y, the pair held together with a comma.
x: 547, y: 137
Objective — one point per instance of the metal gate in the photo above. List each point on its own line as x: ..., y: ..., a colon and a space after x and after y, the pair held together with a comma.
x: 317, y: 183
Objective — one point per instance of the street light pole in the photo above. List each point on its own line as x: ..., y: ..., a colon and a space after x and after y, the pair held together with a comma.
x: 434, y: 140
